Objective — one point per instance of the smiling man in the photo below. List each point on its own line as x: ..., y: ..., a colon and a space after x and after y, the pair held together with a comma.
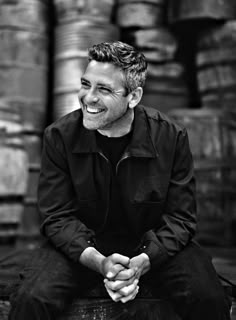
x: 117, y: 197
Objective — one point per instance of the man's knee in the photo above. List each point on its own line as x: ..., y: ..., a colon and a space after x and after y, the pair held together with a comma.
x: 212, y: 297
x: 36, y: 296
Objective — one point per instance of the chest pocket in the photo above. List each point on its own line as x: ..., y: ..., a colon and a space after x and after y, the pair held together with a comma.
x: 151, y: 189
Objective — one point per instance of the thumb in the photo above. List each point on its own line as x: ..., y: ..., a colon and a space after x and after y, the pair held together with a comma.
x: 112, y: 273
x: 118, y: 258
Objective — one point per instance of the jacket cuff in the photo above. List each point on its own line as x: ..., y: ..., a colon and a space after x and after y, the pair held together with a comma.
x: 154, y: 249
x: 78, y: 246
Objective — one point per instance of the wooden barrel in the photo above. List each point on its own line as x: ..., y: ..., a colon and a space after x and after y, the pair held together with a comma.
x: 29, y: 228
x: 189, y: 10
x: 68, y: 71
x: 65, y: 101
x: 79, y: 36
x: 33, y: 147
x: 157, y: 44
x: 137, y: 13
x: 13, y: 174
x: 24, y: 14
x: 73, y: 10
x: 165, y: 87
x: 106, y: 309
x: 24, y: 59
x: 212, y: 137
x: 216, y: 66
x: 30, y: 222
x: 72, y: 41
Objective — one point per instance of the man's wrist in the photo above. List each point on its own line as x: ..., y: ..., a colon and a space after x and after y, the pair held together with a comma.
x: 146, y: 262
x: 92, y: 259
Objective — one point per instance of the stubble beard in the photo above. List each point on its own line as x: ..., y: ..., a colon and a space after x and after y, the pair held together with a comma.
x: 91, y: 125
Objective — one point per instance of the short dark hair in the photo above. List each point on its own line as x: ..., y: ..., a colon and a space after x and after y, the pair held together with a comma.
x: 132, y: 62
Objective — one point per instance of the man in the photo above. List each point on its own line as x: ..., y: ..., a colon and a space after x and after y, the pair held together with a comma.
x: 117, y: 197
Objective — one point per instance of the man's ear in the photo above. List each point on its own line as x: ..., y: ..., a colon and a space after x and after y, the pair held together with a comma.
x: 135, y: 97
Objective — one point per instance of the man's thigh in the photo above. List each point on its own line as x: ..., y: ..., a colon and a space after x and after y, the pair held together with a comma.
x: 52, y: 278
x: 186, y: 278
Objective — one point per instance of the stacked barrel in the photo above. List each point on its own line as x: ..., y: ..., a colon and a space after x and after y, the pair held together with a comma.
x: 143, y: 25
x: 23, y: 93
x: 212, y: 136
x: 13, y: 173
x: 216, y: 66
x: 79, y: 25
x: 212, y: 127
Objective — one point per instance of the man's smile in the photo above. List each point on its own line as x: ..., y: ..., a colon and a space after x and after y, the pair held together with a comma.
x: 93, y: 110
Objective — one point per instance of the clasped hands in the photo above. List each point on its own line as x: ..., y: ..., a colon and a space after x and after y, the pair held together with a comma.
x: 122, y: 275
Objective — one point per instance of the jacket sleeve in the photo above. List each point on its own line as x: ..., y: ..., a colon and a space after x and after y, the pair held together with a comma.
x: 179, y: 217
x: 57, y: 202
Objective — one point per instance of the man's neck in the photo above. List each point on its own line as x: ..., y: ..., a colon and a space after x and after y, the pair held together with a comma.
x: 120, y: 127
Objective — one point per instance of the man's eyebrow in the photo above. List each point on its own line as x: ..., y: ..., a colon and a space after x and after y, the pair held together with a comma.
x: 105, y: 84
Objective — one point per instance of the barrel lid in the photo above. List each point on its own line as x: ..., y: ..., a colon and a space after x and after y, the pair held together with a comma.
x: 10, y: 119
x: 223, y: 34
x: 153, y: 2
x: 24, y: 14
x: 74, y: 10
x: 206, y: 115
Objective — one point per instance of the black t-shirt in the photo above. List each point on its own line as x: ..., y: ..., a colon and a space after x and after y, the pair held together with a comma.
x: 113, y: 148
x: 116, y: 234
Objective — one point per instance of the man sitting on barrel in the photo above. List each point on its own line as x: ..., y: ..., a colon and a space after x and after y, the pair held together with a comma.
x: 117, y: 197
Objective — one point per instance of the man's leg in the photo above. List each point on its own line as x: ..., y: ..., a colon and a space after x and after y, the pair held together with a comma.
x: 48, y: 284
x: 190, y: 281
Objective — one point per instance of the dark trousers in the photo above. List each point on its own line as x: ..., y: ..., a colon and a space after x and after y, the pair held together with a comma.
x: 50, y: 281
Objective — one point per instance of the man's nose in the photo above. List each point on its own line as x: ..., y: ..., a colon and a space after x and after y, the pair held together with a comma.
x: 91, y: 96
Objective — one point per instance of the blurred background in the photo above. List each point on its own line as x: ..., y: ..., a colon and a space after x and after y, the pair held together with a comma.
x: 191, y: 50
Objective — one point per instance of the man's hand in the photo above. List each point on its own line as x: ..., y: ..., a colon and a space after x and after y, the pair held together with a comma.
x: 120, y: 288
x: 113, y: 264
x: 126, y: 293
x: 124, y: 287
x: 121, y: 273
x: 141, y: 264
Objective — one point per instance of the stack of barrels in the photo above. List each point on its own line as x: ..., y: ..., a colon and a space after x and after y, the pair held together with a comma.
x: 79, y: 25
x: 212, y: 127
x: 13, y: 173
x: 143, y: 25
x: 212, y: 136
x: 23, y: 77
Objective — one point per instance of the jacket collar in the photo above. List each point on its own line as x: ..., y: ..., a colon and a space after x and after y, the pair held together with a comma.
x: 141, y: 144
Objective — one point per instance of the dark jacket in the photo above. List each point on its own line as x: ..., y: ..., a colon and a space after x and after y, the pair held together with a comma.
x: 158, y: 186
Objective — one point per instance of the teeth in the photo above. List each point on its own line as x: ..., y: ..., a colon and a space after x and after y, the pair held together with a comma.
x: 93, y: 110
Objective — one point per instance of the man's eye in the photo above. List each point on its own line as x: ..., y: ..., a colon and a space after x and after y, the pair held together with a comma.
x: 85, y: 85
x: 104, y: 90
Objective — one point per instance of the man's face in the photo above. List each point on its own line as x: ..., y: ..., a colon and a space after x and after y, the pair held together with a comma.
x: 102, y: 95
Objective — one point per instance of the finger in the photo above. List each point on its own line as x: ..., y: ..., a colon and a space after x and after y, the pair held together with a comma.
x: 126, y: 274
x: 130, y: 297
x: 129, y: 289
x: 114, y: 271
x: 118, y: 284
x: 115, y: 296
x: 119, y: 258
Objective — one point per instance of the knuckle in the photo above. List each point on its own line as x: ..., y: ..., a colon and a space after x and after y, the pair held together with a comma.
x: 114, y: 256
x: 125, y: 291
